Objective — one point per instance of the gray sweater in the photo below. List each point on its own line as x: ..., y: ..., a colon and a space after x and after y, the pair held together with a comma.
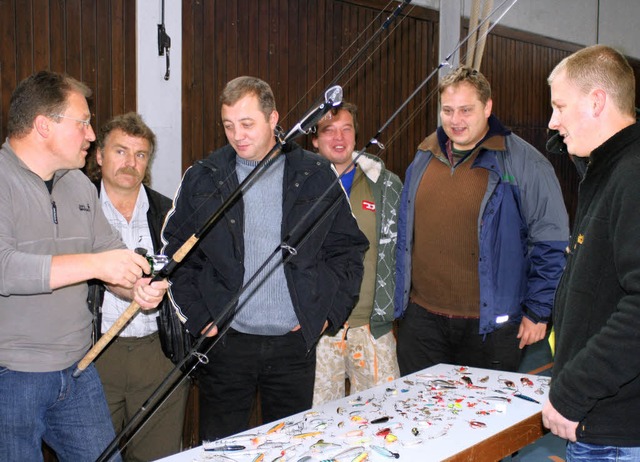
x: 266, y: 308
x: 43, y: 330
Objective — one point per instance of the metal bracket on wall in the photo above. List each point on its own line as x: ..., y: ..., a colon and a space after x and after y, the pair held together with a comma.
x: 164, y: 44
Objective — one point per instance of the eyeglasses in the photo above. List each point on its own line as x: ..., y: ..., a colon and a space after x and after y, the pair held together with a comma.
x: 86, y: 122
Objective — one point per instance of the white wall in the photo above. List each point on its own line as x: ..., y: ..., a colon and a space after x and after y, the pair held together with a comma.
x: 584, y: 22
x: 159, y: 100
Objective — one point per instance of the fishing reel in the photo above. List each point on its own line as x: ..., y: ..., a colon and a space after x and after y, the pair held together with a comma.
x: 156, y: 262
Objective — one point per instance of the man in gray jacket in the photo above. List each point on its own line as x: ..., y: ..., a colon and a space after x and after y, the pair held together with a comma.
x: 53, y: 238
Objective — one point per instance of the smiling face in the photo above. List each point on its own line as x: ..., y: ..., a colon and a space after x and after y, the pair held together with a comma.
x: 464, y: 117
x: 248, y: 131
x: 572, y: 116
x: 123, y: 160
x: 336, y: 139
x: 71, y: 138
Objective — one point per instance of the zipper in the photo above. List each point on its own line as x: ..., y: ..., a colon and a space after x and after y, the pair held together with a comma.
x: 54, y: 212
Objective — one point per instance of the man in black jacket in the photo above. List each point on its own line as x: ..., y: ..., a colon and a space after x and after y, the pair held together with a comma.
x: 594, y: 398
x: 270, y: 345
x: 133, y: 366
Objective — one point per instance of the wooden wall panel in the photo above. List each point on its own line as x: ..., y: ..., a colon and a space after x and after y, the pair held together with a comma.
x: 299, y: 48
x: 91, y: 40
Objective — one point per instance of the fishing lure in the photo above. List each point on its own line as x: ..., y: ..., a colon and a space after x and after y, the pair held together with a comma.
x: 380, y: 420
x: 322, y: 445
x: 442, y: 384
x: 358, y: 419
x: 390, y: 438
x: 384, y: 451
x: 306, y: 435
x: 275, y: 428
x: 355, y: 451
x: 526, y: 382
x: 361, y: 458
x: 477, y: 424
x: 507, y: 383
x: 498, y: 398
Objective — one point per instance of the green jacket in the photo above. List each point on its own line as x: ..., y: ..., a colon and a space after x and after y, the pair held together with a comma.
x: 386, y: 188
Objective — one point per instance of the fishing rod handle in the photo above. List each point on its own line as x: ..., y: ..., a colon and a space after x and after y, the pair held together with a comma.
x: 106, y: 338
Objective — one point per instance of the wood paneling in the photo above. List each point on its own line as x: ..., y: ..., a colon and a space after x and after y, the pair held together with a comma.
x: 299, y: 48
x: 91, y: 40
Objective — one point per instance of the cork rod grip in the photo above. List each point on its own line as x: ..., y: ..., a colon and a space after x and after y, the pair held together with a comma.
x: 106, y: 338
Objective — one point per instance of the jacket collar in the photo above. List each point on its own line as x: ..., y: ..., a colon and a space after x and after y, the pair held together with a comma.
x: 294, y: 158
x: 609, y: 152
x: 370, y: 165
x: 494, y: 140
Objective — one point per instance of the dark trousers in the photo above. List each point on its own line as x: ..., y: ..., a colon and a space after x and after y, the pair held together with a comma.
x: 131, y: 369
x: 242, y: 364
x: 426, y: 339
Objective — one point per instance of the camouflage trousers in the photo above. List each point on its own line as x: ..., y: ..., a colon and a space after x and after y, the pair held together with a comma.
x: 353, y: 353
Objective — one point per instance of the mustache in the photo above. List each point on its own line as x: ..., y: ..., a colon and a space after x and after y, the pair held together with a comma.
x: 128, y: 171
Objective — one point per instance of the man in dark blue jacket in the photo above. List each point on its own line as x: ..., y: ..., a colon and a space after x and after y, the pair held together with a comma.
x: 481, y: 236
x: 278, y: 319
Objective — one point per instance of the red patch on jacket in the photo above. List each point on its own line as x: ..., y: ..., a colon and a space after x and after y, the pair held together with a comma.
x: 366, y: 205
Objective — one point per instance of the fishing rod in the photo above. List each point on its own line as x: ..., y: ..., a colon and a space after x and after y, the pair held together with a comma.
x: 291, y: 243
x: 332, y: 97
x: 391, y: 18
x: 485, y: 33
x: 307, y: 122
x: 304, y: 126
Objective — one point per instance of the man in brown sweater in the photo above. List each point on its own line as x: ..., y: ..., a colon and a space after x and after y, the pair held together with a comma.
x: 481, y: 238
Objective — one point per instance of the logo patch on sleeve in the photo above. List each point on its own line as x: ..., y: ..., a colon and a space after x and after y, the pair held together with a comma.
x: 366, y: 205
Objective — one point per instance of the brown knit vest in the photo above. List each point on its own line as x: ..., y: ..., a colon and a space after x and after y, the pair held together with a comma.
x: 444, y: 275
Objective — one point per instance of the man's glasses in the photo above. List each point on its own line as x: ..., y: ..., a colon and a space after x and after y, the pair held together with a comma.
x: 86, y: 122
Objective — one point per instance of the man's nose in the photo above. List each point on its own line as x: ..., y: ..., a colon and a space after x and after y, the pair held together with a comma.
x: 90, y: 135
x: 553, y: 121
x: 130, y: 159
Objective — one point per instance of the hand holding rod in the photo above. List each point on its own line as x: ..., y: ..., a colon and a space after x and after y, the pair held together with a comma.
x: 152, y: 402
x: 332, y: 97
x: 177, y: 258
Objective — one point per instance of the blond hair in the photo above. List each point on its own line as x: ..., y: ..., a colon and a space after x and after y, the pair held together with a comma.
x: 600, y: 66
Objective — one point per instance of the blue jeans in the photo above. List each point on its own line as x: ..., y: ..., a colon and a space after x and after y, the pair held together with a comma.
x: 70, y: 415
x: 279, y: 367
x: 583, y: 452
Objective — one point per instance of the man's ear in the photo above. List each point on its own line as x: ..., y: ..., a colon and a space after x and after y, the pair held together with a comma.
x: 487, y: 107
x: 598, y: 101
x: 99, y: 156
x: 273, y: 118
x: 42, y: 125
